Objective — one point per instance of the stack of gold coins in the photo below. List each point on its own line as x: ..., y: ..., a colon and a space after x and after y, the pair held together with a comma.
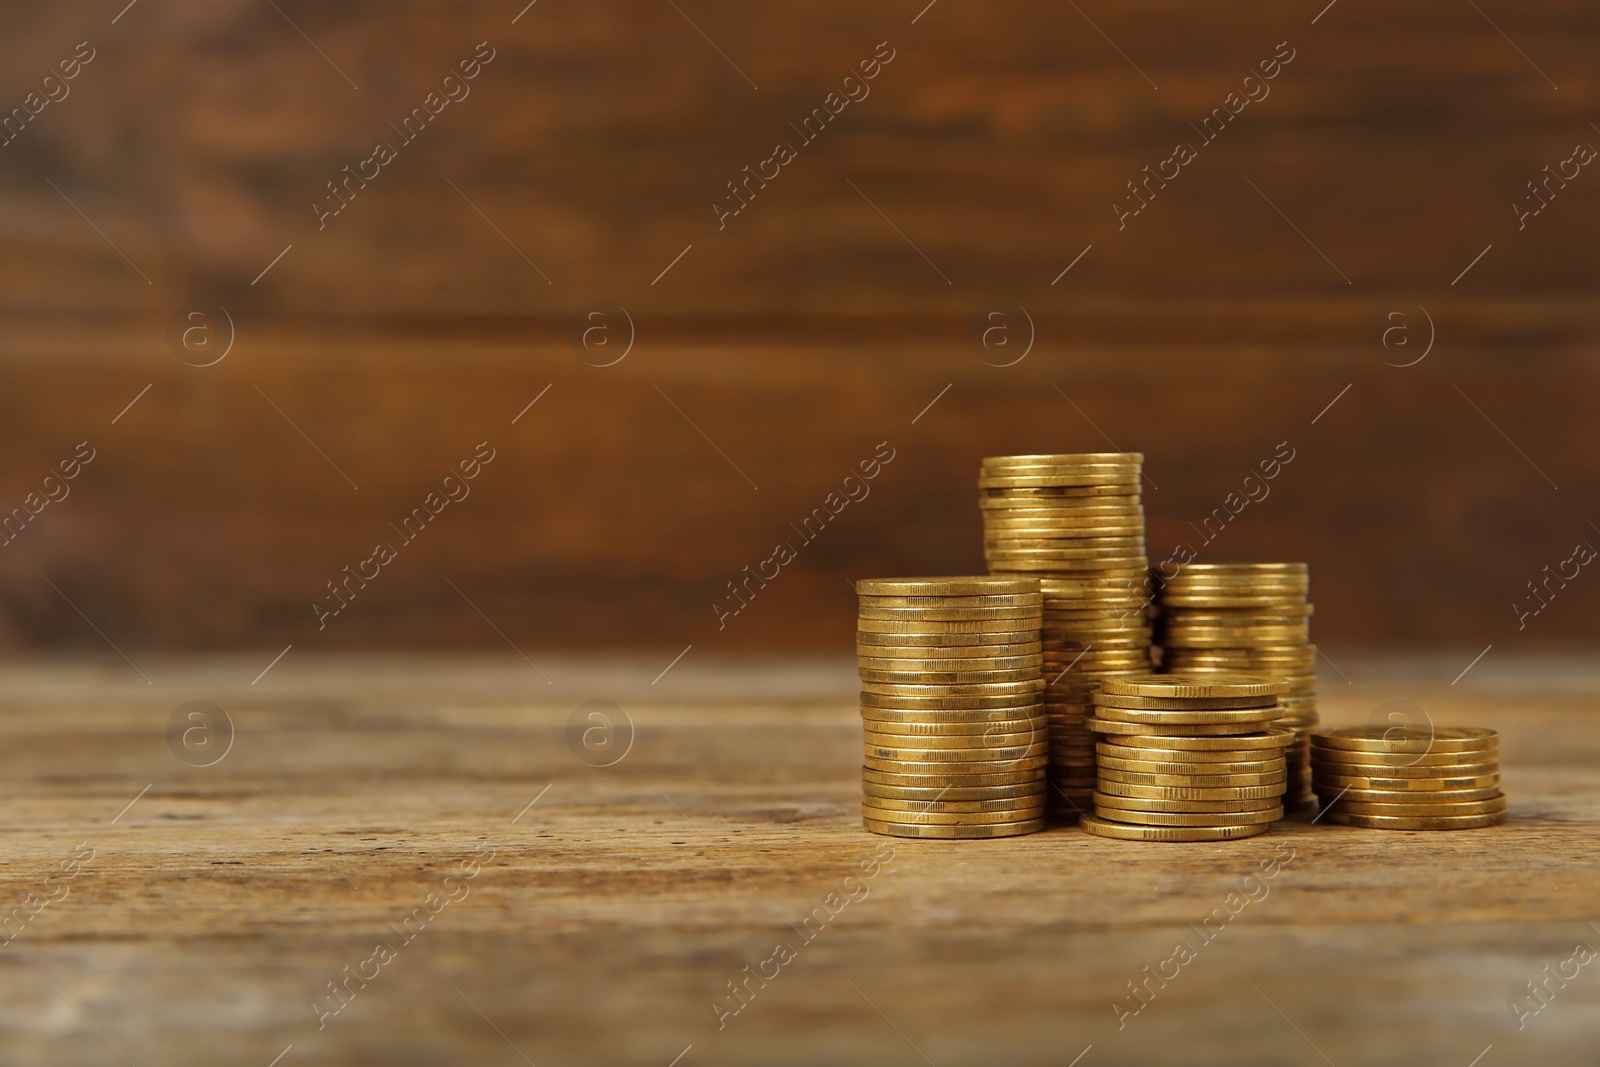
x: 1188, y: 759
x: 1399, y: 778
x: 951, y: 702
x: 1077, y: 523
x: 1248, y: 618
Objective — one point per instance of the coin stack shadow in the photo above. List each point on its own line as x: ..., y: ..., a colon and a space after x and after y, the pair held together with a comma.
x: 951, y: 704
x: 1401, y: 778
x: 1188, y: 759
x: 1248, y: 618
x: 1076, y: 522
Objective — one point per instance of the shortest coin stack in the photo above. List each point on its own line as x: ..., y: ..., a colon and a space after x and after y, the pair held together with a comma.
x: 1392, y: 778
x: 952, y: 703
x: 1188, y: 759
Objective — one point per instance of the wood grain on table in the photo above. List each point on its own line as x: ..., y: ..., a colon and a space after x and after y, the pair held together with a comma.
x: 603, y: 922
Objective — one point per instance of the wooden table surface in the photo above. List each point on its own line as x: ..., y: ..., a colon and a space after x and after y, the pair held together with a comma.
x: 201, y: 922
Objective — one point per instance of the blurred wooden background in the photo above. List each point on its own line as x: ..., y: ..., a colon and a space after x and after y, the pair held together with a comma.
x: 772, y: 355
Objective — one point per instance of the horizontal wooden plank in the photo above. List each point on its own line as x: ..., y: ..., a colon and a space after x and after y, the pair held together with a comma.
x: 212, y: 910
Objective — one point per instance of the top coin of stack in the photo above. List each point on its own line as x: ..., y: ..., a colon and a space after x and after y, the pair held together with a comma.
x: 1247, y: 618
x: 1077, y: 523
x: 1187, y: 759
x: 951, y: 706
x: 1394, y: 778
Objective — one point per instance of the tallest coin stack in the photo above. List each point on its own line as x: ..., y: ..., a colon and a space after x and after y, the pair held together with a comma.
x: 1076, y: 522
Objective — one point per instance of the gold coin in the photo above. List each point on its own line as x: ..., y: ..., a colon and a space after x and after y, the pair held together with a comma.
x: 1117, y: 763
x: 1191, y: 793
x: 1133, y: 729
x: 1179, y: 818
x: 1075, y: 672
x: 1191, y: 781
x: 1490, y: 806
x: 1109, y: 566
x: 1192, y: 640
x: 952, y: 639
x: 1248, y: 613
x: 1098, y: 474
x: 1128, y: 832
x: 992, y: 630
x: 1007, y: 794
x: 965, y: 728
x: 995, y: 615
x: 1297, y: 589
x: 894, y: 647
x: 968, y: 754
x: 1251, y: 717
x: 1054, y: 540
x: 980, y: 666
x: 1135, y: 646
x: 991, y: 600
x: 980, y: 718
x: 1362, y: 762
x: 1031, y: 527
x: 1214, y: 686
x: 1193, y: 807
x: 1074, y: 499
x: 1262, y: 636
x: 1405, y: 739
x: 1082, y: 635
x: 1454, y: 770
x: 1093, y: 587
x: 1031, y: 685
x: 950, y: 708
x: 1405, y: 796
x: 1246, y: 570
x: 1415, y: 822
x: 1018, y: 813
x: 1101, y: 613
x: 1113, y: 700
x: 1191, y: 662
x: 1136, y: 653
x: 1070, y: 501
x: 975, y: 585
x: 936, y: 768
x: 1064, y: 459
x: 1001, y: 466
x: 928, y: 777
x: 879, y: 679
x: 1183, y: 583
x: 1251, y: 601
x: 1065, y: 553
x: 1419, y: 785
x: 1033, y: 798
x: 994, y: 829
x: 993, y: 741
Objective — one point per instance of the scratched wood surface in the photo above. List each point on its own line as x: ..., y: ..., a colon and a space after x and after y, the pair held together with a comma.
x: 206, y: 916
